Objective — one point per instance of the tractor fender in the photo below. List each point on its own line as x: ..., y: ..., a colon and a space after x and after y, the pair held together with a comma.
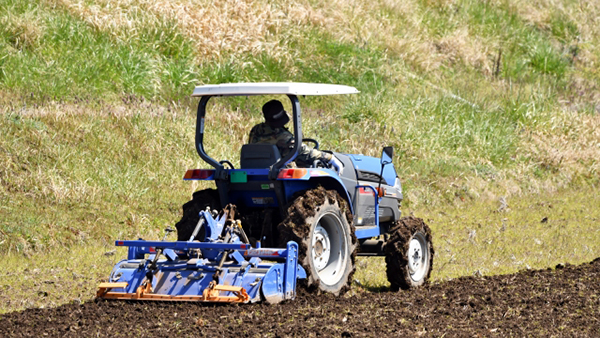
x: 296, y: 180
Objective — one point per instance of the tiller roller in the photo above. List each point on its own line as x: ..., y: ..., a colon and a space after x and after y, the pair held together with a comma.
x: 224, y: 267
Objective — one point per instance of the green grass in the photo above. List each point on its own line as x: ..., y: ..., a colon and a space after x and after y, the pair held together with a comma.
x: 30, y: 282
x: 63, y: 57
x: 479, y: 238
x: 469, y: 240
x: 90, y: 191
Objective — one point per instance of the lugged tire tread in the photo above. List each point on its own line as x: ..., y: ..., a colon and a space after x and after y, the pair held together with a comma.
x: 396, y: 249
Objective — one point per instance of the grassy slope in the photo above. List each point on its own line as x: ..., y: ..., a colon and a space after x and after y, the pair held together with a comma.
x: 479, y: 99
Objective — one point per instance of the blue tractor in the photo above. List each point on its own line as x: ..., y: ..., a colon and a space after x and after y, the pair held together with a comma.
x: 332, y: 217
x: 269, y: 222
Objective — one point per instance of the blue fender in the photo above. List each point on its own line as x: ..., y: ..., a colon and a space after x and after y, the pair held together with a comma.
x: 299, y: 179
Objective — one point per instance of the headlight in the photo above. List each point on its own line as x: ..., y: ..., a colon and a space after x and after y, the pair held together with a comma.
x: 397, y: 185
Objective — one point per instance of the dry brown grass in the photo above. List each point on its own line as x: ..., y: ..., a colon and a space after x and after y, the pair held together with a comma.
x: 568, y: 148
x: 584, y: 14
x: 238, y: 27
x: 398, y: 27
x: 61, y: 110
x: 551, y: 159
x: 461, y: 46
x: 231, y: 26
x: 25, y: 29
x: 571, y: 145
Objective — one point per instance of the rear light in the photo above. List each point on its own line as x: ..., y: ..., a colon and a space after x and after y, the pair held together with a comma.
x: 198, y: 174
x: 369, y: 191
x: 292, y: 173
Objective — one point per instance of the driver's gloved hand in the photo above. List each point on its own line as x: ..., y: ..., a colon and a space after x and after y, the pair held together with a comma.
x: 336, y: 164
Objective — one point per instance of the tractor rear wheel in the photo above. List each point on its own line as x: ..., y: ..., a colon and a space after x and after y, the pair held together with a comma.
x: 320, y: 222
x: 409, y: 254
x: 191, y: 210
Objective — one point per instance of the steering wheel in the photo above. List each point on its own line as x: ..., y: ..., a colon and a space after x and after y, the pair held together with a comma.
x: 320, y: 164
x: 312, y: 140
x: 228, y: 163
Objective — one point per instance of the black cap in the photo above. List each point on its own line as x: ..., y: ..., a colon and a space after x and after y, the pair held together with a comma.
x: 275, y: 115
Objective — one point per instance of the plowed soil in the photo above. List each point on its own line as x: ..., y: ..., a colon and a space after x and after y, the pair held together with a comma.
x: 564, y: 301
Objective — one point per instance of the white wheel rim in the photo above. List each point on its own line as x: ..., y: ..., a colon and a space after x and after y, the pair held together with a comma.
x: 418, y: 257
x: 329, y: 251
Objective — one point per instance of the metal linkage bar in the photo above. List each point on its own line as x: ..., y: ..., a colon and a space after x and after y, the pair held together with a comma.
x: 180, y: 245
x: 246, y: 249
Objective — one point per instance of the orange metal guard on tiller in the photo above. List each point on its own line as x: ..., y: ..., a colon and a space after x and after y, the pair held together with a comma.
x: 144, y: 292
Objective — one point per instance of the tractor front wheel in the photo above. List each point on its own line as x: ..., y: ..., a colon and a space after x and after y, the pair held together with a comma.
x: 319, y: 222
x: 408, y: 254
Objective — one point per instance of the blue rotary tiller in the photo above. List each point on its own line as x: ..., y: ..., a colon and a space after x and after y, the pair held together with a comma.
x: 224, y: 267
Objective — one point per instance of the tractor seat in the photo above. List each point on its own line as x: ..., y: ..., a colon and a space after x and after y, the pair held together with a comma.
x: 258, y: 156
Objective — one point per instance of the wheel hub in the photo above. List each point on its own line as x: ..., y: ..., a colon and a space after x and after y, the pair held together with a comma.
x: 321, y: 248
x: 417, y: 257
x: 414, y: 257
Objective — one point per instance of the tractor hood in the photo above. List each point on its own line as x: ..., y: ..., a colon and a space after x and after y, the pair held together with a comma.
x: 368, y: 169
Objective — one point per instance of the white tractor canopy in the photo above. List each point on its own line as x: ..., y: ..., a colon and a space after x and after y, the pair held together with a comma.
x: 272, y: 88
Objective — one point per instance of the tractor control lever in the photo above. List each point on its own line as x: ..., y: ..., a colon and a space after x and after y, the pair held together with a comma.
x: 167, y: 232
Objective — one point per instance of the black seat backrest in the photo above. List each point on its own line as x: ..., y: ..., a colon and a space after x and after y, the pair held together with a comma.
x: 258, y: 156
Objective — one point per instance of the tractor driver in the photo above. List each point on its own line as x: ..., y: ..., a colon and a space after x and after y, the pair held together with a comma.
x: 273, y: 131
